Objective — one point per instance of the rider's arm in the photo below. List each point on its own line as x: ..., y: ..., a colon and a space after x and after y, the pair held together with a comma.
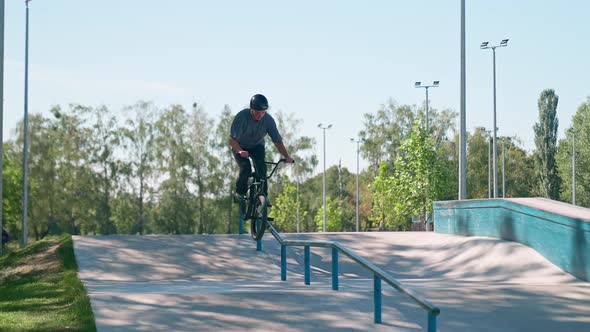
x: 236, y: 148
x: 283, y: 150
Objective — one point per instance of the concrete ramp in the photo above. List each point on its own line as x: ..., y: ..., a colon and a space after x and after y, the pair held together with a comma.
x: 220, y: 282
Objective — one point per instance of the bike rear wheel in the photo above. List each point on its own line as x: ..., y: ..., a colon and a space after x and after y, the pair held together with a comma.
x: 259, y: 218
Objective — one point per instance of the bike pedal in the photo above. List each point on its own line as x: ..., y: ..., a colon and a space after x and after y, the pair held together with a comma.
x: 270, y: 219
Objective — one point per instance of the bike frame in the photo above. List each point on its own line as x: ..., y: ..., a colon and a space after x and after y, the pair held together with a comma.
x: 258, y: 185
x: 255, y: 207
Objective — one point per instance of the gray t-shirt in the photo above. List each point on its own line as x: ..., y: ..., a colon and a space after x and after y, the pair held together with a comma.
x: 250, y: 133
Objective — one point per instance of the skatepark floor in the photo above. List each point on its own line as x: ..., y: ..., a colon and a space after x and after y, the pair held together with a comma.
x: 220, y: 282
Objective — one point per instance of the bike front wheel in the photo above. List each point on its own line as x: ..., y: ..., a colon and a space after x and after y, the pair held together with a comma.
x: 259, y: 218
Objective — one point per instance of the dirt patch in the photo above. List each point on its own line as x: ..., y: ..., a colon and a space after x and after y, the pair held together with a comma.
x: 45, y: 262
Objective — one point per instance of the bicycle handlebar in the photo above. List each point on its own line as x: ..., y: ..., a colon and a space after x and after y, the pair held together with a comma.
x: 276, y: 164
x: 282, y: 160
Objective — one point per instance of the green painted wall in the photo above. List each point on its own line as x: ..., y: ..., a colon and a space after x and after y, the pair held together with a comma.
x: 563, y: 240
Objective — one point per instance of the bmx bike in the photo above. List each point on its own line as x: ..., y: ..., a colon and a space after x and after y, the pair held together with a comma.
x: 254, y: 206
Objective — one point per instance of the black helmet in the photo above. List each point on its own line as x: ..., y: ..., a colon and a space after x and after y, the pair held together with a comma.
x: 259, y: 103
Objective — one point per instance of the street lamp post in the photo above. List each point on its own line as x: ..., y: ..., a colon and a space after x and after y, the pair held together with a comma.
x: 462, y: 194
x: 489, y: 165
x: 485, y: 46
x: 357, y: 141
x: 419, y: 85
x: 297, y: 196
x: 574, y: 167
x: 324, y: 127
x: 1, y: 111
x: 503, y: 170
x: 26, y: 128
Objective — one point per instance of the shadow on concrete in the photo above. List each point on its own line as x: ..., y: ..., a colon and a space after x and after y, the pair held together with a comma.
x: 170, y: 257
x: 480, y: 284
x: 507, y: 228
x: 580, y: 256
x: 462, y: 225
x: 261, y: 311
x: 459, y: 257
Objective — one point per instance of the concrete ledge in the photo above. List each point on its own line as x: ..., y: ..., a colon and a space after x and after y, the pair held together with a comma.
x: 558, y: 231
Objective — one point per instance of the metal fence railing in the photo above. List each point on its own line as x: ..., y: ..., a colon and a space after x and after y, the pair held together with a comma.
x: 378, y: 274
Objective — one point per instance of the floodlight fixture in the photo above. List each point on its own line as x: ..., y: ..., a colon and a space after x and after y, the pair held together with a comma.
x: 434, y: 85
x: 324, y: 127
x: 484, y: 45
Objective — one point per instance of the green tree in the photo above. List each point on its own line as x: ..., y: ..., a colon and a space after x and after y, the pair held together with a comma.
x: 176, y: 205
x: 384, y: 131
x: 418, y: 179
x: 103, y: 144
x: 204, y: 165
x: 478, y: 161
x: 519, y: 167
x: 383, y: 212
x: 300, y: 147
x: 546, y: 143
x: 77, y: 197
x: 285, y: 208
x: 227, y: 165
x: 580, y: 126
x: 139, y: 135
x: 42, y: 177
x: 449, y: 158
x: 333, y: 217
x: 12, y: 190
x: 125, y: 213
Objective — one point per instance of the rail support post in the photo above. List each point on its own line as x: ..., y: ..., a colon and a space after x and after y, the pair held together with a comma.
x: 334, y: 268
x: 431, y: 322
x: 377, y: 298
x: 283, y: 262
x: 306, y: 260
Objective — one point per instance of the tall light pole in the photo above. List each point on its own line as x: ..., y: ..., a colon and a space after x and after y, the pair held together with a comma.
x: 574, y: 167
x: 490, y: 166
x: 462, y: 124
x: 297, y: 196
x: 1, y: 113
x: 26, y: 128
x: 419, y: 85
x: 503, y: 170
x: 358, y: 142
x: 485, y: 46
x: 324, y: 127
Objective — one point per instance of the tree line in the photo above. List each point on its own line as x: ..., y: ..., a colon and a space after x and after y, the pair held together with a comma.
x: 146, y: 169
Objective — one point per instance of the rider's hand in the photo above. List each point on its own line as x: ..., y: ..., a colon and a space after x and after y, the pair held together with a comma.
x: 244, y: 154
x: 289, y: 160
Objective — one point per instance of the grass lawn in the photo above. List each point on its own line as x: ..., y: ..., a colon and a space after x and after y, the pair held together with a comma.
x: 40, y: 291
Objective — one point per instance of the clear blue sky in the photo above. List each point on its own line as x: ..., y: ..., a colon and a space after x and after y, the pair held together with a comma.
x: 326, y: 61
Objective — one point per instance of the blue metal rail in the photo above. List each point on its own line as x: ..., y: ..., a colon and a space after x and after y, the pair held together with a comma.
x: 379, y: 275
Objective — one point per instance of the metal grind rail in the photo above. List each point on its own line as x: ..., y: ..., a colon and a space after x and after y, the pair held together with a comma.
x: 378, y: 274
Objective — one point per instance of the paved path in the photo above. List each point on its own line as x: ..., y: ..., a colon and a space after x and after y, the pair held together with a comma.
x: 219, y: 282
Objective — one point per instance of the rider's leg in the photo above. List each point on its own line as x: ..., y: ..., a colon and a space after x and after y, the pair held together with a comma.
x: 258, y: 154
x: 245, y: 171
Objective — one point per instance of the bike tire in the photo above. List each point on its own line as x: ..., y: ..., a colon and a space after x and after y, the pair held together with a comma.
x: 259, y: 218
